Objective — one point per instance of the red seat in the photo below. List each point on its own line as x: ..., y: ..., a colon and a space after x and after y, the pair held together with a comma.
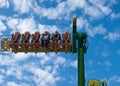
x: 26, y: 39
x: 66, y: 38
x: 15, y: 39
x: 35, y: 39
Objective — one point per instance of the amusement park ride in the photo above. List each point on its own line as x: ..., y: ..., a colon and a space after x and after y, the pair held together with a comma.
x: 36, y: 43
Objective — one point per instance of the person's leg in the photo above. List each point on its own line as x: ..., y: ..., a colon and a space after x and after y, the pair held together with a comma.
x: 17, y: 38
x: 42, y: 43
x: 47, y: 41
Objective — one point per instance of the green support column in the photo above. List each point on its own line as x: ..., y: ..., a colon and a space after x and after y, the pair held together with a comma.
x: 81, y: 37
x: 74, y: 36
x: 81, y: 50
x: 81, y: 75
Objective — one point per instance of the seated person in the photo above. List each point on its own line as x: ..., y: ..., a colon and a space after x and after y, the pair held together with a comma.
x: 25, y: 37
x: 45, y: 39
x: 66, y: 37
x: 56, y: 37
x: 16, y: 37
x: 35, y: 37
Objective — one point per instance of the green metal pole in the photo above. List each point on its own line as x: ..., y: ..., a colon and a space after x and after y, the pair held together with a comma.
x: 81, y: 50
x: 81, y: 74
x: 81, y: 79
x: 74, y: 36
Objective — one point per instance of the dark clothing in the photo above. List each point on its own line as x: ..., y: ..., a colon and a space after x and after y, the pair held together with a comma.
x: 45, y: 39
x: 56, y: 37
x: 17, y: 38
x: 27, y: 38
x: 37, y: 38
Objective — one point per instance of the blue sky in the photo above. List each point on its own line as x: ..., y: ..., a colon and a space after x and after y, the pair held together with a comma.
x: 99, y: 19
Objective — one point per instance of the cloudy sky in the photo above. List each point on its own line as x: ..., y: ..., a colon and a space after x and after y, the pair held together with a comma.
x: 100, y: 19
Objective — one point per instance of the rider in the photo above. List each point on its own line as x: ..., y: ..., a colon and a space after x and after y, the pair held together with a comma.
x: 66, y: 37
x: 56, y: 37
x: 16, y: 37
x: 45, y: 39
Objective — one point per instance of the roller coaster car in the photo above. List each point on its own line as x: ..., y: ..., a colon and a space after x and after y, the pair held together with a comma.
x: 35, y: 39
x: 15, y: 39
x: 66, y: 40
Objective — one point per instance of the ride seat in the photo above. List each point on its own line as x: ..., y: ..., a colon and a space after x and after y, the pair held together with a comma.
x: 36, y: 39
x: 15, y: 39
x: 66, y: 37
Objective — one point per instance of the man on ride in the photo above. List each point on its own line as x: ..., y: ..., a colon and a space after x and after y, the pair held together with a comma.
x: 45, y: 39
x: 56, y: 37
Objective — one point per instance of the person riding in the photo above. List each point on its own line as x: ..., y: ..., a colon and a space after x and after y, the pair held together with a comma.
x: 45, y: 39
x: 35, y: 37
x: 56, y: 37
x: 25, y: 37
x: 66, y: 37
x: 16, y: 37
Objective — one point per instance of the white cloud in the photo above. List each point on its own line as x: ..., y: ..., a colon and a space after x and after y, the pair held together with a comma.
x: 50, y: 28
x: 96, y: 30
x: 6, y: 60
x: 22, y: 6
x: 1, y: 79
x: 105, y: 53
x: 2, y: 17
x: 92, y: 31
x: 49, y: 76
x: 112, y: 36
x: 4, y: 4
x: 108, y: 63
x: 112, y: 79
x: 44, y: 78
x: 115, y: 15
x: 15, y: 71
x: 62, y: 10
x: 52, y: 13
x: 11, y: 84
x: 29, y: 24
x: 22, y: 25
x: 21, y: 56
x: 2, y: 27
x: 60, y: 60
x: 105, y: 63
x: 12, y: 22
x: 97, y: 10
x: 82, y: 23
x: 101, y: 5
x: 42, y: 74
x: 106, y: 10
x: 76, y: 4
x: 74, y: 64
x: 93, y: 12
